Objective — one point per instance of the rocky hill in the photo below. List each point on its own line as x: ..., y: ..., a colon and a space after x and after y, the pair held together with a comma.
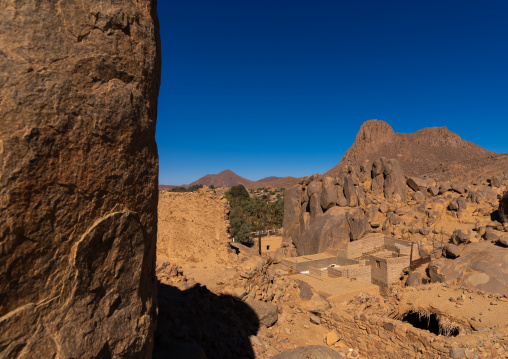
x: 228, y: 178
x: 434, y: 151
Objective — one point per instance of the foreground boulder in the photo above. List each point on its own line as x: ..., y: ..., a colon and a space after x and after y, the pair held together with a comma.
x: 482, y: 266
x: 266, y: 313
x: 78, y: 183
x: 414, y: 279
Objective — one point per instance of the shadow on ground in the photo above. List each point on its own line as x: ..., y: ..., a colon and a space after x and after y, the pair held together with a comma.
x: 197, y: 324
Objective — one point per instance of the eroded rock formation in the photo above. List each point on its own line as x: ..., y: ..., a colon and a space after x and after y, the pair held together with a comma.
x: 434, y: 151
x: 78, y: 178
x: 327, y: 212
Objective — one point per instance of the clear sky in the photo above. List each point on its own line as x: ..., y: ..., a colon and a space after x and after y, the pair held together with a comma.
x: 281, y: 87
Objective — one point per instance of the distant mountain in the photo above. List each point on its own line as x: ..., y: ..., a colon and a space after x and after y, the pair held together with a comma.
x: 226, y: 178
x: 433, y: 151
x: 268, y: 179
x: 167, y: 186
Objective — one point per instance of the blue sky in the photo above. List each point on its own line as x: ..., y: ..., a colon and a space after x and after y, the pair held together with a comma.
x: 280, y: 88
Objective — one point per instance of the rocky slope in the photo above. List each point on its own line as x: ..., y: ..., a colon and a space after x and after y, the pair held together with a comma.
x: 78, y: 178
x: 435, y: 152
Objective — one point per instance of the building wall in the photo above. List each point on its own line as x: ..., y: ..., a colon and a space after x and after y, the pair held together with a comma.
x: 395, y: 266
x: 379, y: 270
x: 365, y: 245
x: 358, y: 271
x: 387, y: 270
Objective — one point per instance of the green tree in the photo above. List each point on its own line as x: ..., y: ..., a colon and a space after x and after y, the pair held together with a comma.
x: 238, y: 192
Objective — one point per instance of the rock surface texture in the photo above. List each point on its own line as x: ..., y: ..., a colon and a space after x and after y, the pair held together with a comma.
x: 481, y: 266
x: 78, y: 178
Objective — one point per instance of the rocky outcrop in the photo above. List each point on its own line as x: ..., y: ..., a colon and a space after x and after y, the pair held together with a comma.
x: 328, y: 212
x: 436, y: 152
x: 482, y: 266
x: 503, y: 208
x: 78, y: 185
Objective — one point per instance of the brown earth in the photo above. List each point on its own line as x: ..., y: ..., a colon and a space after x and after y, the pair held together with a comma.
x: 435, y: 152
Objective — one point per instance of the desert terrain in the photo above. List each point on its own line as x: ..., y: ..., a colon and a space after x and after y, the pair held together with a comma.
x: 452, y: 301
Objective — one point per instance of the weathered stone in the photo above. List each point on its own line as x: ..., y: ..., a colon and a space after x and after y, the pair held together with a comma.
x: 395, y: 186
x: 332, y: 338
x: 503, y: 208
x: 315, y: 319
x: 503, y: 241
x: 445, y: 187
x: 350, y: 192
x: 497, y: 181
x: 414, y: 279
x: 419, y: 197
x: 459, y: 236
x: 377, y: 168
x: 365, y: 171
x: 330, y: 230
x: 341, y: 199
x: 482, y: 266
x: 451, y: 251
x: 418, y: 184
x: 315, y: 187
x: 457, y: 353
x: 315, y: 206
x: 458, y: 187
x: 310, y: 352
x: 433, y: 190
x: 329, y: 193
x: 358, y: 224
x: 378, y: 184
x: 78, y: 184
x: 490, y: 235
x: 267, y: 313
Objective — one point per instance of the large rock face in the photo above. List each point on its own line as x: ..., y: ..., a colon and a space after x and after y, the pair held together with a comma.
x: 328, y: 212
x: 78, y: 178
x: 481, y: 266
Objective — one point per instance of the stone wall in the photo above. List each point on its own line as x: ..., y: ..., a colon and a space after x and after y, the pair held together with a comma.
x: 78, y: 186
x: 387, y: 270
x: 388, y: 338
x: 360, y: 271
x: 368, y: 244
